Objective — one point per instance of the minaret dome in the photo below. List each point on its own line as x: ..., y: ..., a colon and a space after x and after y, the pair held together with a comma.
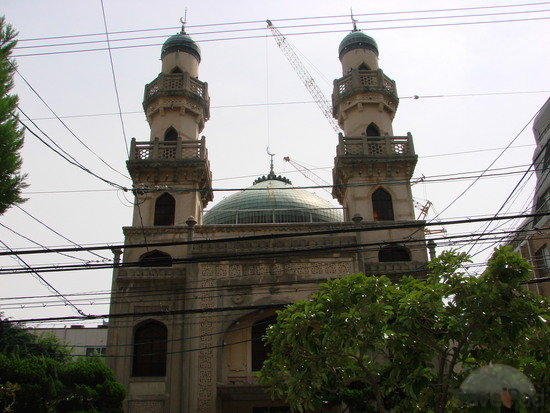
x: 180, y: 54
x: 358, y: 50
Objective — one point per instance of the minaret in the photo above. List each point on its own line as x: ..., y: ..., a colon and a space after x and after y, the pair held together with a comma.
x: 372, y: 168
x: 173, y: 167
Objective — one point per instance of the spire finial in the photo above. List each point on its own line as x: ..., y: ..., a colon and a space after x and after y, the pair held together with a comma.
x: 271, y: 171
x: 183, y: 21
x: 353, y: 20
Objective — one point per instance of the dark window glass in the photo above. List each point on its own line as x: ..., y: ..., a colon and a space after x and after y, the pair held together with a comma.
x: 259, y: 349
x: 363, y: 66
x: 393, y: 253
x: 95, y: 351
x: 171, y: 134
x: 382, y: 207
x: 165, y: 208
x: 155, y: 258
x: 372, y: 130
x: 150, y: 350
x: 176, y: 70
x: 542, y: 262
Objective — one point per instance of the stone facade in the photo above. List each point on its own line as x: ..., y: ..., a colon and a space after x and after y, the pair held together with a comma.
x: 533, y: 243
x: 210, y: 286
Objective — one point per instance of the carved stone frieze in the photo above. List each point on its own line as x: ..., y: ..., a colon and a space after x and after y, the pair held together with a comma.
x: 206, y: 357
x: 151, y: 273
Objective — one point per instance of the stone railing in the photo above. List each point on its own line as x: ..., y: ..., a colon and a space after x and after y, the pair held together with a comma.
x: 273, y: 216
x: 375, y: 146
x: 167, y: 150
x: 175, y: 84
x: 363, y: 81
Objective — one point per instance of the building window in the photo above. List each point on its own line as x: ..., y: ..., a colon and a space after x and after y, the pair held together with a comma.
x: 373, y: 130
x: 171, y: 134
x: 150, y: 350
x: 176, y: 70
x: 393, y: 253
x: 542, y: 262
x: 259, y: 349
x: 95, y: 351
x: 382, y: 206
x: 165, y: 208
x: 155, y: 258
x: 363, y: 66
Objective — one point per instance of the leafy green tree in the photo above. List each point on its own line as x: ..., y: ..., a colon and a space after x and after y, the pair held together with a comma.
x: 38, y: 375
x: 16, y: 339
x: 380, y: 346
x: 11, y: 135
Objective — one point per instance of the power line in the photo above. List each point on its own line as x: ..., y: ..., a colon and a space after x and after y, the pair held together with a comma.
x: 488, y: 167
x: 65, y: 125
x: 37, y: 243
x: 259, y: 104
x: 289, y: 34
x: 57, y: 233
x: 114, y: 80
x: 67, y: 157
x: 350, y: 229
x: 46, y: 283
x: 291, y: 19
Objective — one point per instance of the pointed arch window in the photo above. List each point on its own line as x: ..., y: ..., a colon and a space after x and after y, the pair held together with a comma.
x: 392, y: 253
x: 259, y: 349
x: 373, y: 130
x: 363, y: 66
x: 155, y: 258
x: 150, y: 343
x: 165, y: 210
x: 382, y: 205
x: 176, y: 70
x: 171, y: 134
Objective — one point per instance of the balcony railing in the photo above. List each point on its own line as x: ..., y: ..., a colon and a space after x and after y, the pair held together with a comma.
x: 363, y: 81
x: 174, y: 85
x: 167, y: 150
x: 377, y: 146
x: 272, y: 216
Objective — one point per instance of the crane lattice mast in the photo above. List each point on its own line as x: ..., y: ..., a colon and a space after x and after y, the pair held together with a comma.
x: 304, y: 75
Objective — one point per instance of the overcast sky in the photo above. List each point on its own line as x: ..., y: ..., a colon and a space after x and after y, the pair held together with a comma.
x: 476, y: 83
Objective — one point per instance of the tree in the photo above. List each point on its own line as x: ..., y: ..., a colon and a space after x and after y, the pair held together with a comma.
x: 380, y: 346
x: 11, y: 135
x: 38, y: 375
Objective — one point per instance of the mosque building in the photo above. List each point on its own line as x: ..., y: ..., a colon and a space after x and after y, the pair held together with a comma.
x: 190, y: 304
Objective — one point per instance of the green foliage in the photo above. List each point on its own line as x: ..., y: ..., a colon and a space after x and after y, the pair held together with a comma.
x: 15, y: 339
x: 90, y: 386
x: 37, y: 375
x: 405, y: 347
x: 11, y: 135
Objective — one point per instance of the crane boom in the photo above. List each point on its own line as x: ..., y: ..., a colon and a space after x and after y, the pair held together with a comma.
x: 304, y: 75
x: 312, y: 176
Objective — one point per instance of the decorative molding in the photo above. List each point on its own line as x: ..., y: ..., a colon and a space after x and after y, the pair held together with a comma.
x: 206, y: 358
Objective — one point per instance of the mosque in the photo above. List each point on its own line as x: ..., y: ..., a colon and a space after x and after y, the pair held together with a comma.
x: 190, y: 304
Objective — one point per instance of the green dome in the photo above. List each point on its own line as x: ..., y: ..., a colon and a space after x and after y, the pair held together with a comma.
x: 278, y: 203
x: 181, y: 42
x: 357, y: 40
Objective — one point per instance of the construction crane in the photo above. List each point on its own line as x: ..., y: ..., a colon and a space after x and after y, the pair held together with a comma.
x: 312, y: 176
x: 304, y: 75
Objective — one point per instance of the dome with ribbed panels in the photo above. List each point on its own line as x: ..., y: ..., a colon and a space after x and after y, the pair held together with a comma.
x: 181, y: 42
x: 272, y: 199
x: 357, y: 40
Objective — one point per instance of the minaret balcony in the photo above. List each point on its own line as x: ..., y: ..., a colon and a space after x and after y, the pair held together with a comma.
x: 158, y: 150
x: 176, y: 84
x: 376, y: 146
x: 363, y: 81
